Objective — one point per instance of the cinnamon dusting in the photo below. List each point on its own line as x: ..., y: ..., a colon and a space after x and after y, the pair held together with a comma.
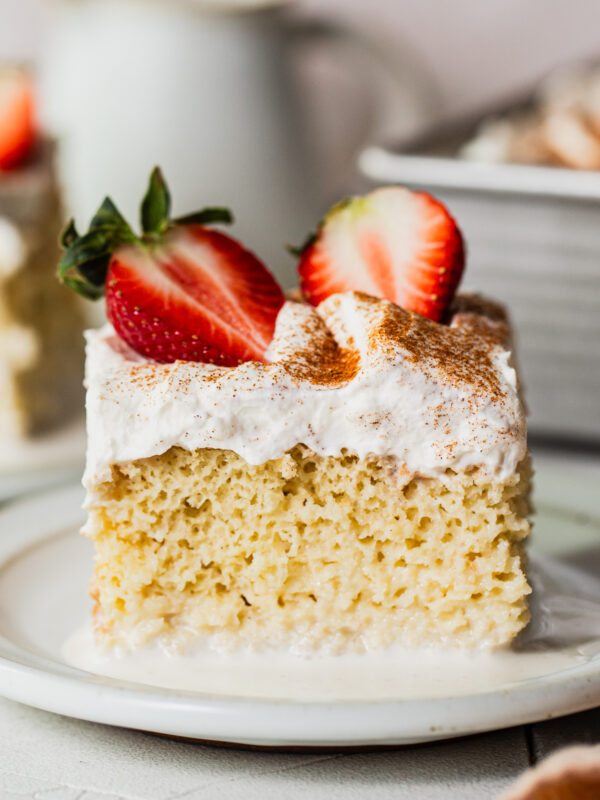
x: 319, y: 351
x: 327, y: 364
x: 459, y: 353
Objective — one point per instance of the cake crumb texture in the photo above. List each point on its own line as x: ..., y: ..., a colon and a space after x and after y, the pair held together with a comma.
x: 307, y: 551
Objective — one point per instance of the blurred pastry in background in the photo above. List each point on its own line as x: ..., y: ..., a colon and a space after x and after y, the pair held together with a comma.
x: 40, y: 350
x: 561, y: 128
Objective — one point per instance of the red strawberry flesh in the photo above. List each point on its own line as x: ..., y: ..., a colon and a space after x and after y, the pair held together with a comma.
x: 392, y: 243
x: 198, y: 296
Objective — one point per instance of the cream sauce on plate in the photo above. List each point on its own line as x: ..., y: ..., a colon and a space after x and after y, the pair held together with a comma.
x: 564, y: 633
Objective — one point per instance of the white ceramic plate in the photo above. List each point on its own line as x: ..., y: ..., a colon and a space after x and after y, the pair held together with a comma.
x: 44, y: 570
x: 47, y: 460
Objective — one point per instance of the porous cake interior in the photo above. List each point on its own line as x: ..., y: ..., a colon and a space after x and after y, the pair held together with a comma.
x: 307, y: 550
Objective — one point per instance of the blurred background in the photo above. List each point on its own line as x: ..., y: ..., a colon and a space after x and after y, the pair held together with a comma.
x: 125, y: 83
x: 474, y: 50
x: 276, y: 109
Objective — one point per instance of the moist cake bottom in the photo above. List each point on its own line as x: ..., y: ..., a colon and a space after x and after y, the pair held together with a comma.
x: 307, y: 551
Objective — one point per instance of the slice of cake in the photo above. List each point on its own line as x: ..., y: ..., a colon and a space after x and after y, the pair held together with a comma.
x: 41, y: 360
x: 351, y: 474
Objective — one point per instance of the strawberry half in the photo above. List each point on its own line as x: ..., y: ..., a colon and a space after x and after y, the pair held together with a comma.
x: 391, y: 243
x: 17, y: 128
x: 182, y: 290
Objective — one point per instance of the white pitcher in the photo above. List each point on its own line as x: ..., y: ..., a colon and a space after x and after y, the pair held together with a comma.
x: 204, y: 90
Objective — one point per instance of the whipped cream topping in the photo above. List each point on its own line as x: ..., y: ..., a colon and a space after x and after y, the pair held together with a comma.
x: 355, y: 374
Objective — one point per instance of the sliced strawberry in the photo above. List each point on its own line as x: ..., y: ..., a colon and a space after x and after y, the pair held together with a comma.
x: 200, y: 296
x: 182, y: 290
x: 17, y: 128
x: 391, y: 243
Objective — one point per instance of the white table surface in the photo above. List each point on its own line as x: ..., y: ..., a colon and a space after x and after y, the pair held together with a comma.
x: 48, y: 757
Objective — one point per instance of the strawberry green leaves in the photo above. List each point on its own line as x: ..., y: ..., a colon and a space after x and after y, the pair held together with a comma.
x: 109, y: 219
x: 69, y: 234
x: 86, y: 258
x: 208, y: 216
x: 156, y: 205
x: 84, y: 263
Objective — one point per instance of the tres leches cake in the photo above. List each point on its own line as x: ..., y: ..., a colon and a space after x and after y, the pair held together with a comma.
x: 348, y: 470
x: 41, y: 360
